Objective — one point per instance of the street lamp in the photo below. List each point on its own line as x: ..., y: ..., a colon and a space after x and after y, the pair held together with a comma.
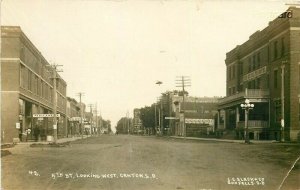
x: 247, y: 106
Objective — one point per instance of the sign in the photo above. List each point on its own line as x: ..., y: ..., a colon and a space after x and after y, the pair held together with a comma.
x: 255, y: 74
x: 45, y: 115
x: 199, y: 121
x: 76, y: 119
x: 171, y: 118
x: 18, y: 126
x: 190, y: 111
x: 40, y: 119
x: 54, y: 126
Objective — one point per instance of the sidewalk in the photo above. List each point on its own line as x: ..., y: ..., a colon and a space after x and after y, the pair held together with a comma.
x: 225, y: 140
x: 59, y: 141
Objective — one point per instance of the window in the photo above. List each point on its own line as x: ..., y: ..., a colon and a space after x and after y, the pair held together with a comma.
x: 254, y: 62
x: 275, y: 78
x: 258, y: 60
x: 42, y: 89
x: 249, y: 64
x: 282, y: 47
x: 22, y: 76
x: 228, y: 73
x: 241, y: 68
x: 35, y: 87
x: 233, y: 71
x: 38, y: 87
x: 258, y: 83
x: 29, y: 80
x: 275, y: 50
x: 268, y: 81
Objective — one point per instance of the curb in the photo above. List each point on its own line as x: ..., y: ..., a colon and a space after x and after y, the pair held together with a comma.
x: 225, y: 140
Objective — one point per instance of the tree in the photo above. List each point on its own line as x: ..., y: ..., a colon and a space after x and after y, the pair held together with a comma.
x: 147, y: 116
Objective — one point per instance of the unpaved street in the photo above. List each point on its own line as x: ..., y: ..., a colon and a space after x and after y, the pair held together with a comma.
x: 136, y: 162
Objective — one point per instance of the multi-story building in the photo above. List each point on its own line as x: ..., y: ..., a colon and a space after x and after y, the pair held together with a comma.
x: 265, y: 70
x: 73, y: 115
x: 27, y: 90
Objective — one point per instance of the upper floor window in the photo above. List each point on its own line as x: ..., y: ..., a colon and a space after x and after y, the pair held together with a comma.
x: 22, y: 76
x: 258, y: 60
x: 275, y: 49
x: 241, y: 68
x: 249, y: 64
x: 253, y: 62
x: 282, y: 46
x: 29, y: 80
x: 275, y: 78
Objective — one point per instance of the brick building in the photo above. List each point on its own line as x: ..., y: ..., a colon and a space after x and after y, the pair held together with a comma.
x: 27, y: 89
x: 265, y: 70
x: 73, y: 117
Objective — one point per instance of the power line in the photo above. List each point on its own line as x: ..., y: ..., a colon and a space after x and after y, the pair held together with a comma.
x: 183, y: 81
x: 54, y: 72
x: 80, y: 94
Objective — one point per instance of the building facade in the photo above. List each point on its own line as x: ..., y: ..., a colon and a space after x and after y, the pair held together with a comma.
x: 137, y: 126
x: 73, y: 117
x: 197, y: 113
x: 27, y: 90
x: 265, y: 70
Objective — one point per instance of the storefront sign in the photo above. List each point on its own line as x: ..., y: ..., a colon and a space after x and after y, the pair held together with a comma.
x: 255, y: 74
x: 76, y: 119
x: 199, y: 121
x: 45, y: 115
x: 18, y: 126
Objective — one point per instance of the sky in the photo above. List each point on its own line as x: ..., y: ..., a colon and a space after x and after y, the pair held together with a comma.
x: 115, y: 51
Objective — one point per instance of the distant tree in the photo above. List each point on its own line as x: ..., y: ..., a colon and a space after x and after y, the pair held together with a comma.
x: 123, y: 125
x: 147, y: 116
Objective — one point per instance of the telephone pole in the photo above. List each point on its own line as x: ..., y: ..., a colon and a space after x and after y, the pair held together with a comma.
x: 80, y: 94
x: 91, y: 119
x: 183, y: 81
x: 54, y: 72
x: 96, y: 112
x: 127, y: 116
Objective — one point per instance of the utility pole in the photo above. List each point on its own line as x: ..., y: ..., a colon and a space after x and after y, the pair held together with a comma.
x: 96, y: 111
x: 80, y: 94
x: 183, y: 81
x: 127, y: 123
x: 282, y: 103
x: 54, y: 72
x: 91, y: 120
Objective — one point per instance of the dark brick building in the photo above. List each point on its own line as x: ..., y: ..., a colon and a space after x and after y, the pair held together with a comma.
x: 265, y: 70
